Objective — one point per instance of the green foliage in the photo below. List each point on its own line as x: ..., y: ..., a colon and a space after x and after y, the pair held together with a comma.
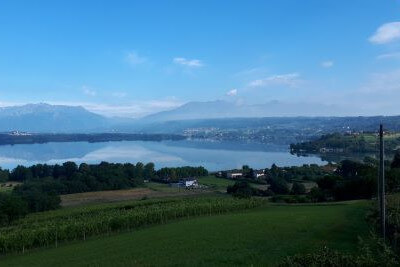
x: 393, y: 180
x: 298, y: 189
x: 4, y: 175
x: 353, y: 180
x: 291, y: 199
x: 39, y: 195
x: 69, y: 178
x: 11, y: 208
x: 328, y: 182
x: 174, y: 174
x: 306, y: 172
x: 370, y: 254
x: 317, y: 194
x: 41, y: 231
x: 20, y: 174
x: 257, y: 237
x: 240, y: 190
x: 392, y: 220
x: 278, y: 186
x: 342, y: 143
x: 396, y: 160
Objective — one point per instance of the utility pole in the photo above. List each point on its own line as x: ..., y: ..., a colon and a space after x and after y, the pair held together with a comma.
x: 381, y: 188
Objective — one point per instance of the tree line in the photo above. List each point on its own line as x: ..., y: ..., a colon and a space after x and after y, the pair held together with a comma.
x: 347, y: 181
x: 43, y: 184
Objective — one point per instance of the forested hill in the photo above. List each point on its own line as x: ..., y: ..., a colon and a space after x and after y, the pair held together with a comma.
x: 348, y: 143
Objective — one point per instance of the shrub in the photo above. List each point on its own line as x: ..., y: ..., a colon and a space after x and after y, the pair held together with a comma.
x: 375, y: 254
x: 240, y: 190
x: 396, y: 160
x: 11, y: 208
x: 317, y: 195
x: 298, y: 189
x: 279, y: 186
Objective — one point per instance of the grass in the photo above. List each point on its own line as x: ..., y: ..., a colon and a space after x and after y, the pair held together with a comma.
x: 8, y: 186
x: 149, y: 190
x: 260, y: 237
x: 214, y: 183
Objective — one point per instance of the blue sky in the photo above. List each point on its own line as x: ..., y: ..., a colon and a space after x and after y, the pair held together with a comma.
x: 131, y: 58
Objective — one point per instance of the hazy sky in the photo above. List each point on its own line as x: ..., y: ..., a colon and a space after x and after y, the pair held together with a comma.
x: 136, y: 57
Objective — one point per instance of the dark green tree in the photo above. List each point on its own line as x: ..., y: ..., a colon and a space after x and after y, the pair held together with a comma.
x: 396, y: 160
x: 11, y: 208
x: 278, y: 186
x: 298, y: 189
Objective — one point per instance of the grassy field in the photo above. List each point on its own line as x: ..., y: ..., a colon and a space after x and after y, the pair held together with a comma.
x: 260, y: 237
x: 8, y: 186
x: 153, y: 190
x: 214, y: 183
x: 149, y: 190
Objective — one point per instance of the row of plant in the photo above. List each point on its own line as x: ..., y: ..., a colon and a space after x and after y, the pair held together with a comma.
x: 27, y: 233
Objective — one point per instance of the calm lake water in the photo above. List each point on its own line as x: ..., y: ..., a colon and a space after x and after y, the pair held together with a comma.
x: 212, y: 155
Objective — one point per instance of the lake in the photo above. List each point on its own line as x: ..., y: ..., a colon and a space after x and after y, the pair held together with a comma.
x: 212, y: 155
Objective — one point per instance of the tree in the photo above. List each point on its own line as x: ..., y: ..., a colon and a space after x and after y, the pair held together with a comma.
x: 240, y: 190
x: 279, y: 186
x: 70, y: 168
x: 317, y: 195
x: 396, y: 160
x: 11, y: 208
x: 4, y: 175
x: 298, y: 189
x: 84, y: 168
x: 20, y: 174
x: 327, y: 182
x: 393, y: 180
x: 149, y: 171
x: 274, y: 171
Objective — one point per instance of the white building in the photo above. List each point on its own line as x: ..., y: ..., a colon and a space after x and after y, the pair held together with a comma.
x: 234, y: 175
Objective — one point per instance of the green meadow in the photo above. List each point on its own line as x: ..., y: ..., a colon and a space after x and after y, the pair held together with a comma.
x: 261, y: 236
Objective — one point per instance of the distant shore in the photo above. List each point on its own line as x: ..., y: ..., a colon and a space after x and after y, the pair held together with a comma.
x: 32, y: 138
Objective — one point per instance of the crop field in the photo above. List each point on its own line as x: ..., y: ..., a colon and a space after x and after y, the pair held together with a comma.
x: 260, y: 237
x: 48, y: 229
x: 150, y: 190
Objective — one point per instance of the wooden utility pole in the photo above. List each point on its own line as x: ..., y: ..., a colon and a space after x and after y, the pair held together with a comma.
x: 381, y: 188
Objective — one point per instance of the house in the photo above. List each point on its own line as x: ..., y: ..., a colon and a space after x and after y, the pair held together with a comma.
x: 186, y: 183
x: 258, y: 174
x: 234, y: 175
x: 190, y: 183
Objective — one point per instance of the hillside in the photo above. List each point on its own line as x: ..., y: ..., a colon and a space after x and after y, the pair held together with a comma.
x: 259, y: 237
x: 50, y: 119
x: 348, y: 143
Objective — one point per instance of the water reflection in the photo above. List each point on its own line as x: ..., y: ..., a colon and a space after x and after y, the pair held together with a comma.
x: 212, y: 155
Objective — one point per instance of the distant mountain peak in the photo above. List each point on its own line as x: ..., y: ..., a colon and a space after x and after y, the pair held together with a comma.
x: 224, y: 109
x: 43, y: 117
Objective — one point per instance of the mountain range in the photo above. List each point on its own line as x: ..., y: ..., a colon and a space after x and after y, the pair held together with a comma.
x: 45, y: 118
x: 50, y: 118
x: 222, y: 109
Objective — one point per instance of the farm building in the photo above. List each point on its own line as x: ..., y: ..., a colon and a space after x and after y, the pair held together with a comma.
x: 234, y: 175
